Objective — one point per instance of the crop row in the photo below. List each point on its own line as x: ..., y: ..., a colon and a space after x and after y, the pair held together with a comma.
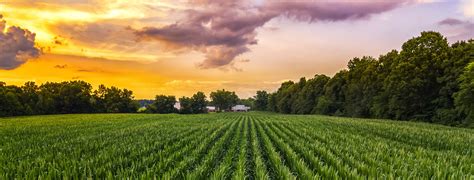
x: 230, y: 146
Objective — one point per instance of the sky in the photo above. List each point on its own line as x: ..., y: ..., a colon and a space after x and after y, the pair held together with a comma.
x: 179, y: 47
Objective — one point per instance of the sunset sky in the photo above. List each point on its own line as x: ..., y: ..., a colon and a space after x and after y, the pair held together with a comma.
x: 178, y: 47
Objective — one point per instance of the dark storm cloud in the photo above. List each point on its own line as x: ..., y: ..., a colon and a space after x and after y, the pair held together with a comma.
x: 223, y: 30
x: 17, y: 46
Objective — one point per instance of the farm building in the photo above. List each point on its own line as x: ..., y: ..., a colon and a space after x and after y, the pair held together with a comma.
x: 211, y: 108
x: 240, y: 108
x: 177, y: 105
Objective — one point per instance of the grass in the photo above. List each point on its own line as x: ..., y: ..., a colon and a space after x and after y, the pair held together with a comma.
x: 230, y: 146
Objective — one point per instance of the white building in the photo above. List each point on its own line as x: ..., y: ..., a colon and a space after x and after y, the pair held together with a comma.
x: 177, y: 105
x: 211, y: 108
x: 240, y: 108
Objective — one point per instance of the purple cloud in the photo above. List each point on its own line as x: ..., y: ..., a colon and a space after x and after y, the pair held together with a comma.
x: 458, y: 29
x: 451, y: 22
x: 17, y: 46
x: 223, y: 30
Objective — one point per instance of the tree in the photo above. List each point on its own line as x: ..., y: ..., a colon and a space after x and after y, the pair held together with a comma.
x: 10, y: 101
x: 163, y: 104
x: 293, y: 93
x: 29, y: 98
x: 460, y: 55
x: 412, y: 84
x: 261, y: 100
x: 309, y: 94
x: 332, y: 103
x: 199, y: 103
x: 114, y: 100
x: 223, y: 99
x: 362, y: 86
x: 75, y: 97
x: 386, y: 63
x: 464, y: 98
x: 186, y: 105
x: 63, y: 97
x: 284, y: 97
x: 271, y: 106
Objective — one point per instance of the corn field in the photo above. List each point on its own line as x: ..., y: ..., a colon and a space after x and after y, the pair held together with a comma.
x: 230, y: 146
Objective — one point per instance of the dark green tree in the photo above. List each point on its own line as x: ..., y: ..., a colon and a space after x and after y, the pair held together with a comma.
x: 30, y: 98
x: 224, y: 100
x: 271, y: 106
x: 75, y: 97
x: 460, y: 54
x: 464, y: 98
x: 261, y: 100
x: 332, y: 103
x: 114, y: 100
x: 362, y: 86
x: 10, y: 104
x: 163, y: 104
x: 309, y: 94
x: 199, y: 103
x: 186, y: 105
x: 386, y: 63
x: 284, y: 97
x: 413, y: 81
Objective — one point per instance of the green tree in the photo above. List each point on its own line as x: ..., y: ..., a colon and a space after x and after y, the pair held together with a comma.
x: 460, y: 55
x: 362, y: 86
x: 464, y: 98
x: 261, y: 100
x: 10, y: 104
x: 75, y: 97
x: 186, y: 104
x: 30, y: 98
x: 284, y: 97
x: 386, y: 63
x: 163, y: 105
x: 114, y: 100
x: 224, y: 100
x: 413, y: 81
x: 332, y: 103
x: 309, y: 94
x: 199, y: 103
x: 271, y: 106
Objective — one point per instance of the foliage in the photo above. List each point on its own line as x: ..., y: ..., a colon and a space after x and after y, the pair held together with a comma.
x: 62, y: 98
x: 464, y: 98
x: 417, y: 83
x: 114, y: 100
x: 186, y: 105
x: 224, y: 100
x: 261, y: 101
x: 199, y: 103
x: 230, y: 146
x: 163, y: 104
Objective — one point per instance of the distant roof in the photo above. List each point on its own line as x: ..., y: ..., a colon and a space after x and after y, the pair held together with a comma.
x: 240, y: 107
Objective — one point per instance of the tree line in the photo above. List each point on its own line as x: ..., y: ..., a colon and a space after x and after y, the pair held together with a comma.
x: 222, y: 100
x: 428, y: 80
x: 71, y: 97
x: 64, y: 98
